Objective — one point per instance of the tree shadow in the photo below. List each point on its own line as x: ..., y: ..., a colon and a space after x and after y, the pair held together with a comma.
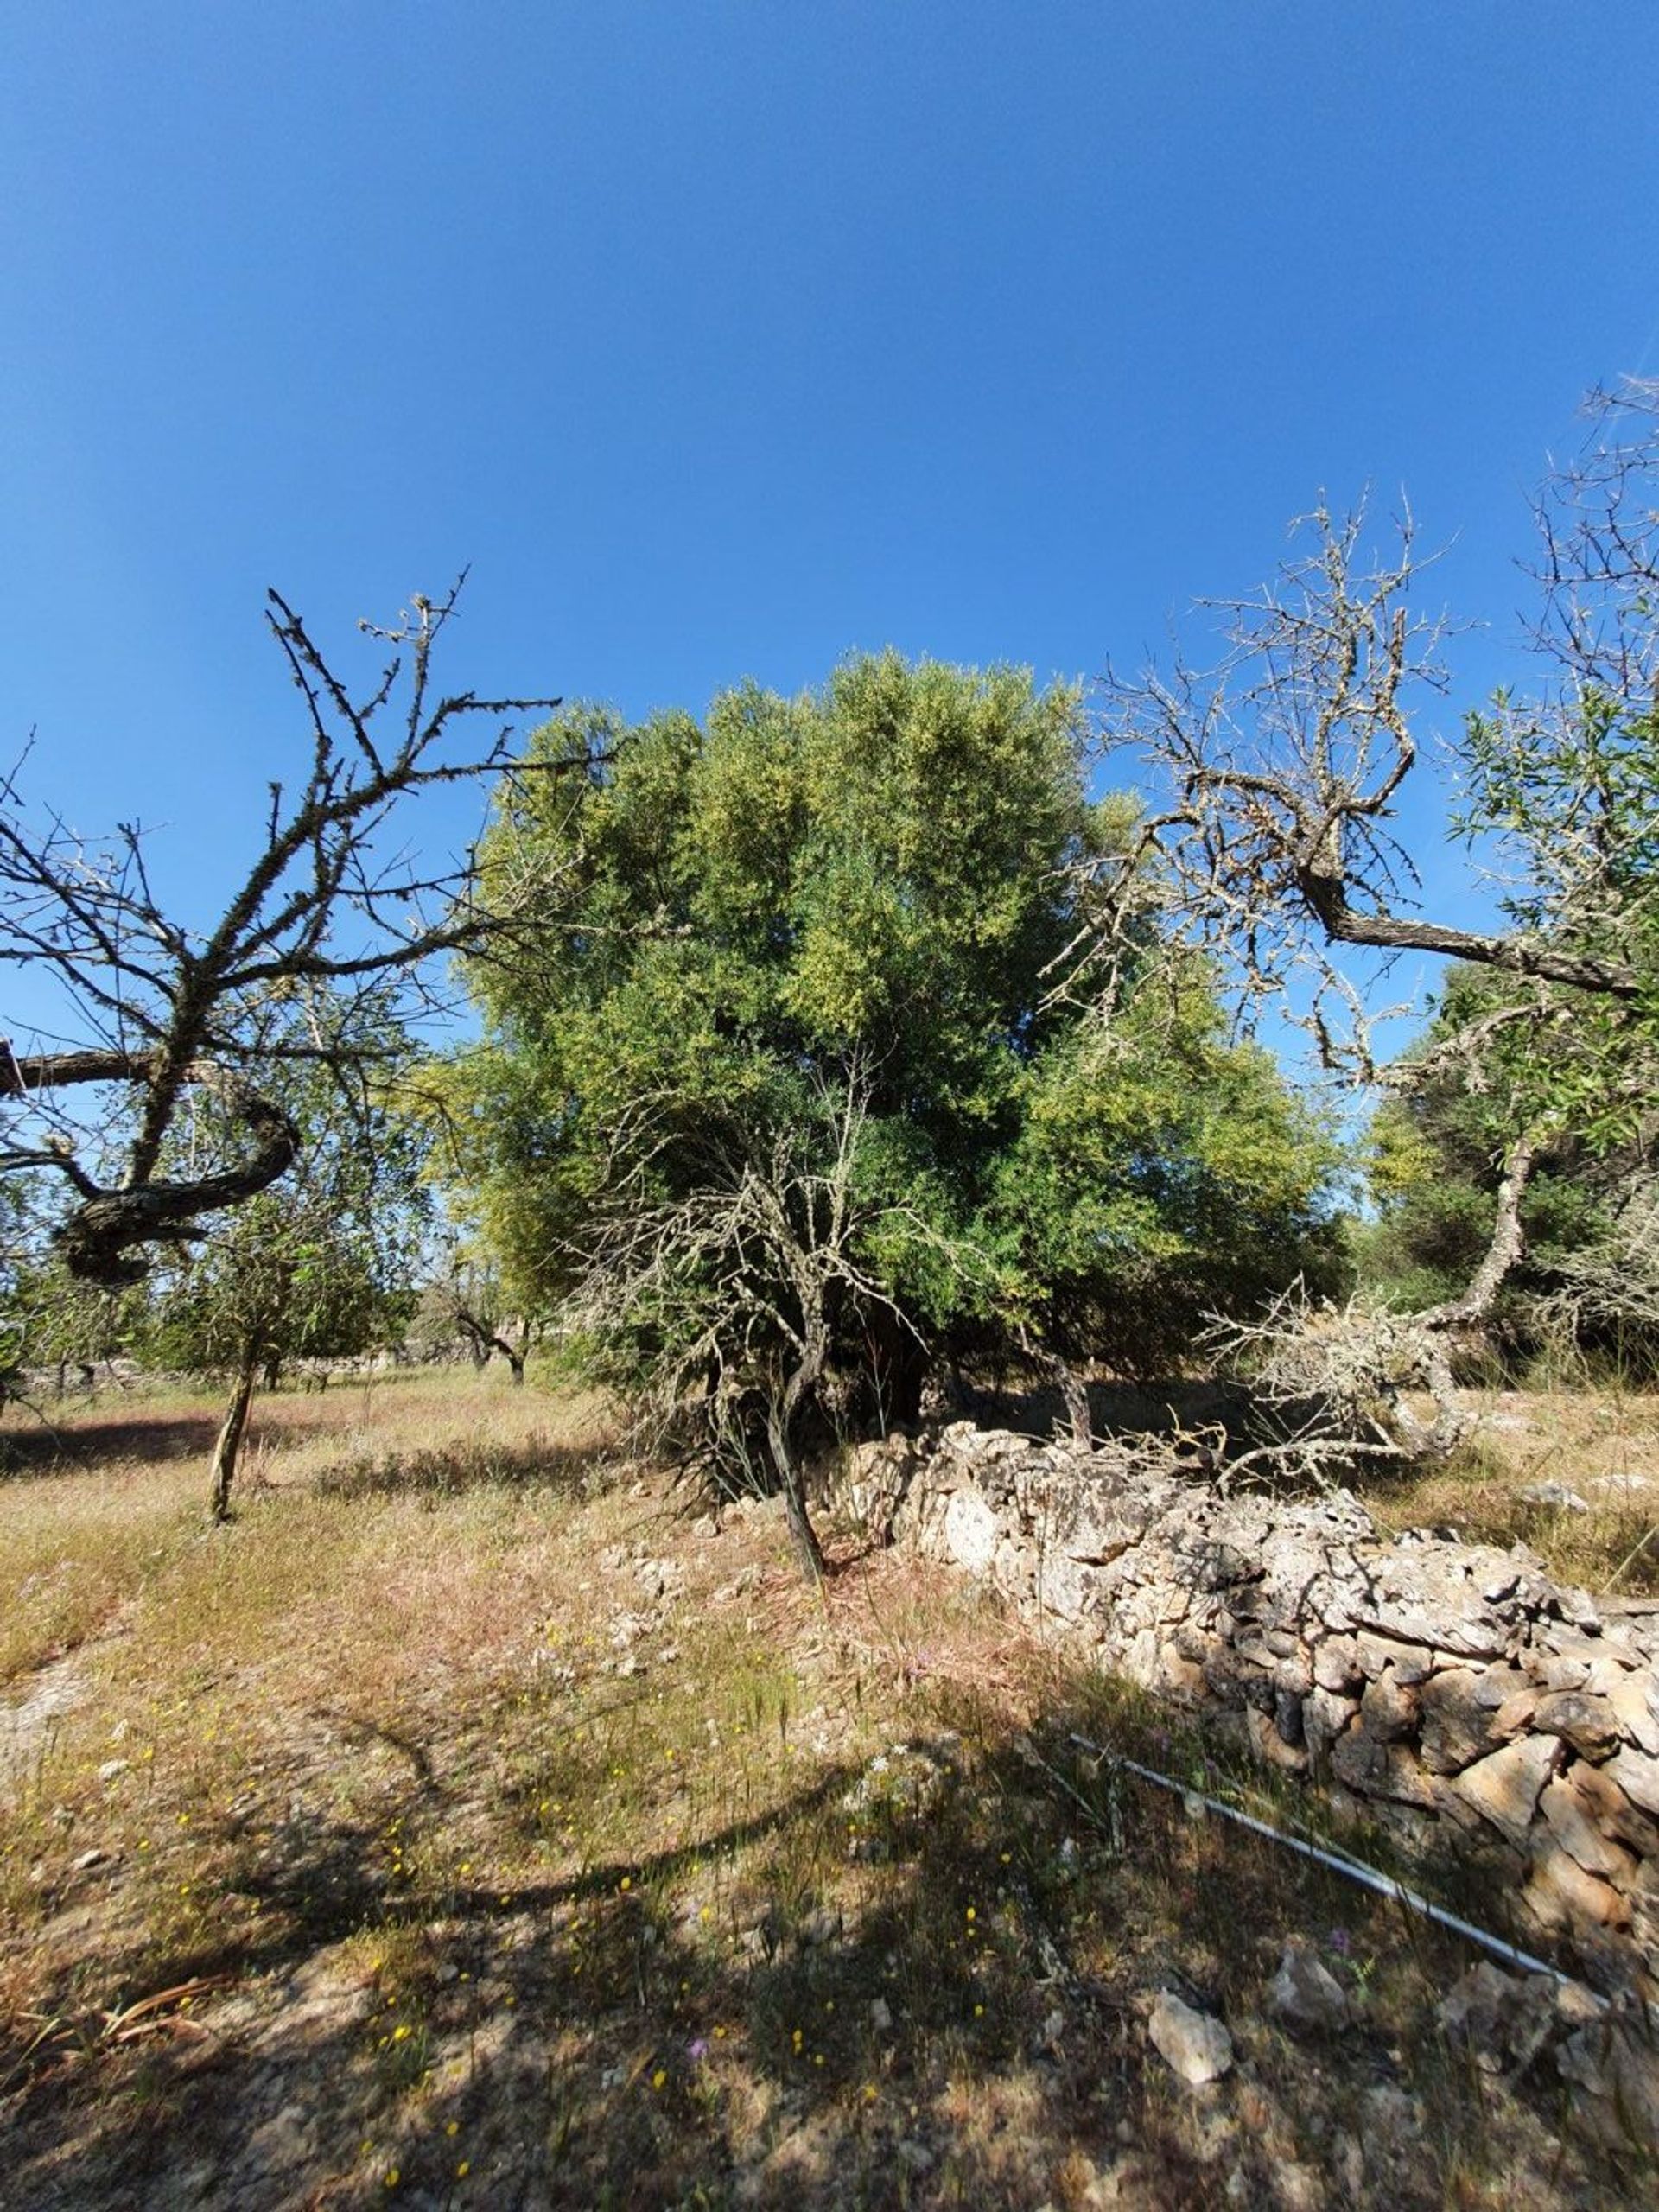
x: 436, y: 1473
x: 95, y: 1446
x: 916, y: 1980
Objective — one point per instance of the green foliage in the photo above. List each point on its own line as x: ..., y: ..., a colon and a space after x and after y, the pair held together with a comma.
x: 320, y: 1266
x: 1497, y: 1059
x: 811, y: 947
x: 46, y: 1318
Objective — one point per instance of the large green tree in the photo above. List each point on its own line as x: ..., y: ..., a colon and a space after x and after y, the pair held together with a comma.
x: 802, y: 1093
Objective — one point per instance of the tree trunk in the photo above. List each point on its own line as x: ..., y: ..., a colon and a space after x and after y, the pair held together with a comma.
x: 1441, y: 1323
x: 1076, y: 1400
x: 273, y: 1370
x: 229, y: 1442
x: 1073, y: 1395
x: 780, y: 1419
x: 803, y: 1535
x: 516, y: 1361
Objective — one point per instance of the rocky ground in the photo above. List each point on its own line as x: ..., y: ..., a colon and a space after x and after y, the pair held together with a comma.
x: 479, y: 1822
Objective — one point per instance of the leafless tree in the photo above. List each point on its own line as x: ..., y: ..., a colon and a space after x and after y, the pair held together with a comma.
x: 1271, y: 841
x: 1331, y: 1383
x: 332, y: 911
x: 1278, y: 770
x: 464, y: 1304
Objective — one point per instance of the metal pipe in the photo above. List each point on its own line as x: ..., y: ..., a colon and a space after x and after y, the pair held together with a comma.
x: 1356, y: 1869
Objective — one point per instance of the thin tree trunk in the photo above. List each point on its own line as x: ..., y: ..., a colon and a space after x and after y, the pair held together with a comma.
x: 780, y: 1421
x: 1073, y: 1395
x: 808, y: 1549
x: 1441, y: 1323
x: 516, y: 1361
x: 229, y: 1442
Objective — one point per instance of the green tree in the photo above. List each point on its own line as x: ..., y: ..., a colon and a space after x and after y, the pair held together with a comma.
x: 1490, y: 1065
x: 323, y: 1269
x: 803, y: 1097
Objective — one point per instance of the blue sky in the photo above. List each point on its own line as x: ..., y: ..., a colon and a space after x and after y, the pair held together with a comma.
x: 722, y: 336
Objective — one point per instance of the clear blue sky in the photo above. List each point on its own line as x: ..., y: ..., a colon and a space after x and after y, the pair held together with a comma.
x: 721, y: 336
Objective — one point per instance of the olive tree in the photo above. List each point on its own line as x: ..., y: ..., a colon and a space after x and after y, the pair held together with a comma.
x: 794, y: 1108
x: 322, y: 1269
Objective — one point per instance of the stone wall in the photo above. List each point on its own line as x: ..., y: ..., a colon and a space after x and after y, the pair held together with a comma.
x: 1452, y: 1691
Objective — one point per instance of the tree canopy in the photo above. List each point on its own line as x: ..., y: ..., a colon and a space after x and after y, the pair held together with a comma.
x: 797, y: 1079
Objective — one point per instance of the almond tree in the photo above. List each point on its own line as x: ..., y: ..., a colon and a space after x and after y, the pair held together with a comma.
x: 331, y: 909
x: 1274, y: 834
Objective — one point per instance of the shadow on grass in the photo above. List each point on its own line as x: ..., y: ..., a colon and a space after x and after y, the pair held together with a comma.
x: 442, y: 1472
x: 916, y: 1981
x: 30, y: 1447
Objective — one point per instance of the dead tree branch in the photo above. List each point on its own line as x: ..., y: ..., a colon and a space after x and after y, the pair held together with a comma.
x: 327, y: 909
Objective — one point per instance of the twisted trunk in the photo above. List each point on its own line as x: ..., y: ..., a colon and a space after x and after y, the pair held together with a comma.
x: 781, y: 1418
x: 228, y: 1443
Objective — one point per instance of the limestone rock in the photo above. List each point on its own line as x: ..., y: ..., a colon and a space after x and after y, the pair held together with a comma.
x: 1562, y: 1895
x: 1336, y: 1664
x: 1459, y: 1725
x: 1305, y: 1994
x: 1272, y: 1741
x: 971, y: 1531
x: 1635, y: 1702
x: 1504, y: 1788
x: 1378, y: 1770
x: 1638, y: 1778
x: 1411, y: 1663
x: 1587, y: 1722
x: 1621, y: 2079
x: 1196, y: 2047
x: 1612, y: 1809
x: 1571, y: 1818
x: 1556, y: 1494
x: 1325, y: 1715
x: 1503, y: 2018
x: 1389, y: 1707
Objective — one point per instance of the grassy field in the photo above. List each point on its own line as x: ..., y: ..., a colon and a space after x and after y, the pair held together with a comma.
x: 1599, y: 1447
x: 475, y: 1821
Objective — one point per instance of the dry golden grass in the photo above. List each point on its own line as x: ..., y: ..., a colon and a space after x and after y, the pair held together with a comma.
x: 479, y: 1830
x: 1602, y: 1446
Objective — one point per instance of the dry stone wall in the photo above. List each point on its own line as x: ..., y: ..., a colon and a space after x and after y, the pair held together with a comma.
x: 1452, y: 1691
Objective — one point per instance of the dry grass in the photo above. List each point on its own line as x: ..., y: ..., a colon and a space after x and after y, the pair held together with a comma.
x: 490, y: 1835
x: 1601, y: 1447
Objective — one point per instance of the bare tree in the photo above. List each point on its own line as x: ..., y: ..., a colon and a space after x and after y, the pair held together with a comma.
x: 465, y: 1303
x: 1278, y: 770
x: 1277, y: 773
x: 330, y: 910
x: 1331, y: 1383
